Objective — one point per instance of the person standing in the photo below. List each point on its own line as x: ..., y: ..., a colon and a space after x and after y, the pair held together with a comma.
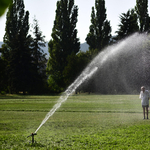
x: 144, y: 96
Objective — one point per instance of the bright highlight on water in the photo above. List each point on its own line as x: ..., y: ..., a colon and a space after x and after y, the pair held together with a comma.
x: 126, y: 76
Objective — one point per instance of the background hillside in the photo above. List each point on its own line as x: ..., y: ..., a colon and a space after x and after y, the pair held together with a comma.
x: 1, y: 44
x: 83, y: 47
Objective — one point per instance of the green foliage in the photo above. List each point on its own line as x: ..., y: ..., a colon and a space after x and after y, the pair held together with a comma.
x: 53, y: 86
x: 82, y: 122
x: 3, y: 75
x: 128, y: 24
x: 142, y: 12
x: 16, y: 48
x: 37, y: 45
x: 76, y: 63
x: 3, y: 5
x: 100, y: 30
x: 39, y: 59
x: 64, y: 40
x: 24, y: 60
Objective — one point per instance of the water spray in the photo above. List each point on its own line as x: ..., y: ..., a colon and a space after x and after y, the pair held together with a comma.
x: 32, y: 134
x: 128, y: 47
x: 87, y: 73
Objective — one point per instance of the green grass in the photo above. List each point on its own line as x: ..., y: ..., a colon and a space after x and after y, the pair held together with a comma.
x: 82, y: 122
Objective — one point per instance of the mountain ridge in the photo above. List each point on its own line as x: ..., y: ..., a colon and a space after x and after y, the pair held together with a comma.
x: 83, y: 47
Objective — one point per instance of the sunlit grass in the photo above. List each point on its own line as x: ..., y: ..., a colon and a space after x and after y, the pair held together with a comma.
x: 82, y: 122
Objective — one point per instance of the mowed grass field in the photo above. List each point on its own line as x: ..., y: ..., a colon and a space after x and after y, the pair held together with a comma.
x: 83, y: 122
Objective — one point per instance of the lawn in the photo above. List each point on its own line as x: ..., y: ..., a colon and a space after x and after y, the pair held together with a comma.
x: 82, y: 122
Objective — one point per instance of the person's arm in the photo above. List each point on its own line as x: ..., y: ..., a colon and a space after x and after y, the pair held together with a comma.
x: 140, y: 96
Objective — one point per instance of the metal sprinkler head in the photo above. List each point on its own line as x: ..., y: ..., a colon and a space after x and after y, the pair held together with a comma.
x: 32, y: 134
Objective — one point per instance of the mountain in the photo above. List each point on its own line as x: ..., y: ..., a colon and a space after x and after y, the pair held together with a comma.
x: 83, y: 47
x: 1, y: 44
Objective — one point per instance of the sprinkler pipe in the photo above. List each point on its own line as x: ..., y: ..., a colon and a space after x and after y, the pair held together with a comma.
x: 32, y: 134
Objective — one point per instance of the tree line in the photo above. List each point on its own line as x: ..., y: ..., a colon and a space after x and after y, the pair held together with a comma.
x: 24, y: 67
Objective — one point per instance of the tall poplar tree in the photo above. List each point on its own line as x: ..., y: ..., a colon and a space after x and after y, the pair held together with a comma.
x: 16, y: 49
x: 100, y: 30
x: 64, y: 42
x: 142, y: 12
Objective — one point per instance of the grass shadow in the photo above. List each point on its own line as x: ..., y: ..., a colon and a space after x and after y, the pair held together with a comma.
x: 35, y: 145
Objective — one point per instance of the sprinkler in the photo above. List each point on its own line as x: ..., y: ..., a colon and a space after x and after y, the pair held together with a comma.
x: 33, y: 134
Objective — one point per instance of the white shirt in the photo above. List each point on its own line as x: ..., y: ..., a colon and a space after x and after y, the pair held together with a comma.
x: 144, y: 97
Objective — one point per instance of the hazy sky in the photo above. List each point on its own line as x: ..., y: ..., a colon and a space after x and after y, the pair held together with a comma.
x: 44, y: 10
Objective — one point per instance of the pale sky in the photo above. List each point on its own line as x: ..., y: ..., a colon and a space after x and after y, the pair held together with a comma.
x: 44, y: 10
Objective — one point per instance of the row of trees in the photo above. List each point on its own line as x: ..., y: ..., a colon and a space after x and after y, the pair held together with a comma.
x: 99, y: 36
x: 23, y: 62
